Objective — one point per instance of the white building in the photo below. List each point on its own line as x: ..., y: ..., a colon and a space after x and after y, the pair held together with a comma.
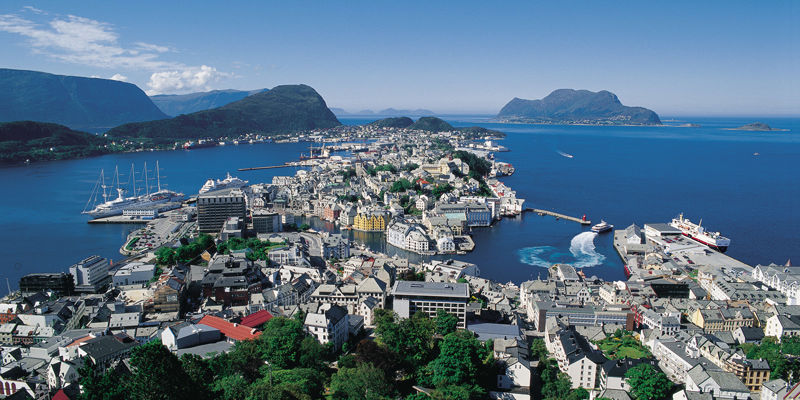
x: 90, y: 274
x: 328, y: 324
x: 135, y: 273
x: 411, y: 297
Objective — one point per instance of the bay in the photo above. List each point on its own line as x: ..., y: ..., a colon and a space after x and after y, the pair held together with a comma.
x: 621, y: 174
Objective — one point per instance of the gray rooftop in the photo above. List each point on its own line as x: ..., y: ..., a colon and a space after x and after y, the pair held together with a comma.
x: 430, y: 289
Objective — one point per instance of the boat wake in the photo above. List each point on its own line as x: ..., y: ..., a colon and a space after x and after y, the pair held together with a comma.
x: 582, y: 253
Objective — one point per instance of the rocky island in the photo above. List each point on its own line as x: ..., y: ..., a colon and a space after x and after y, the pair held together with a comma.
x: 578, y: 107
x: 756, y: 126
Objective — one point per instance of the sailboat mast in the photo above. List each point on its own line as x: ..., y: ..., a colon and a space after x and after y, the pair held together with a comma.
x: 133, y: 178
x: 103, y: 184
x: 158, y: 176
x: 146, y: 183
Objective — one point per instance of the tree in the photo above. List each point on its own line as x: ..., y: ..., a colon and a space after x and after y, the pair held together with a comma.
x: 281, y: 341
x: 578, y: 394
x: 158, y: 374
x: 100, y: 386
x: 365, y: 382
x: 311, y: 354
x: 231, y: 387
x: 400, y: 185
x: 538, y: 349
x: 165, y: 256
x: 305, y: 227
x: 368, y: 351
x: 199, y: 371
x: 461, y: 356
x: 648, y: 383
x: 411, y: 338
x: 445, y: 322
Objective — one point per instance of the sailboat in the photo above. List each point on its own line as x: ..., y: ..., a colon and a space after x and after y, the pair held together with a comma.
x: 120, y: 203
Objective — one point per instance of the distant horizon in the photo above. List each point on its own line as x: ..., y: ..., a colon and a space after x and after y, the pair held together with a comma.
x: 677, y: 58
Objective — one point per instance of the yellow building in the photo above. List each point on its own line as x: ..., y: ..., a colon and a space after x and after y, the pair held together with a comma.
x: 370, y: 222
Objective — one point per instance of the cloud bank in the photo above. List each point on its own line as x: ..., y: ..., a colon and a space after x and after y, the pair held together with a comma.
x: 85, y: 41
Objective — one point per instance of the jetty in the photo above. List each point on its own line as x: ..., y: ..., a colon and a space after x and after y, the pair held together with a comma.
x: 267, y: 167
x: 560, y: 216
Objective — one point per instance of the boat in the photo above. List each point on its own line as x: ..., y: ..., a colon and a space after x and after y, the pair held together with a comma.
x: 698, y: 233
x: 565, y: 154
x: 160, y: 200
x: 229, y: 182
x: 603, y: 226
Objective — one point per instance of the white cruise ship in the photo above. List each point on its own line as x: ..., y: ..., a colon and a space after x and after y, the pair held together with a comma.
x: 696, y: 231
x: 108, y: 208
x: 229, y: 182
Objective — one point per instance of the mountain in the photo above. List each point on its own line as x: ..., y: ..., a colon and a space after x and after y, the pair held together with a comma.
x: 287, y: 108
x: 30, y: 140
x: 387, y: 112
x: 177, y: 104
x: 431, y: 124
x: 393, y: 122
x: 80, y: 103
x: 568, y: 106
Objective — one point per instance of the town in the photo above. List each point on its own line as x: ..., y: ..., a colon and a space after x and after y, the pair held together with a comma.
x: 233, y: 295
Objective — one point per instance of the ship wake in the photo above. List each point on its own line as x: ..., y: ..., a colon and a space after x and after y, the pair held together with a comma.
x: 582, y: 253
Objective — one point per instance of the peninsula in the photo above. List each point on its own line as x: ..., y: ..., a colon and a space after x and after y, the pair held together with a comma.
x: 576, y: 107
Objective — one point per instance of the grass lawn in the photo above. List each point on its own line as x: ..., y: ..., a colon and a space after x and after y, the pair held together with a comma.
x: 626, y: 346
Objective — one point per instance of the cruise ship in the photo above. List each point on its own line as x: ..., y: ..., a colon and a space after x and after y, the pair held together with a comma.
x: 150, y: 200
x: 603, y: 226
x: 696, y: 231
x: 229, y: 182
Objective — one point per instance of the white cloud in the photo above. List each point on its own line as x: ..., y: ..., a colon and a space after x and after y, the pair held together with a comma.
x: 33, y: 10
x: 119, y: 77
x: 178, y: 80
x: 85, y: 41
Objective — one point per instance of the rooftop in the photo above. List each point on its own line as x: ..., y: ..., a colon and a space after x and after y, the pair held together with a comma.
x: 431, y: 289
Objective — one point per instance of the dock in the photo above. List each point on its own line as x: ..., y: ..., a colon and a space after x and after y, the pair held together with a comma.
x: 119, y: 219
x: 267, y: 167
x: 560, y: 216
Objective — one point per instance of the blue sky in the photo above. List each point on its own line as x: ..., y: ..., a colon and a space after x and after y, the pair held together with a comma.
x: 676, y: 57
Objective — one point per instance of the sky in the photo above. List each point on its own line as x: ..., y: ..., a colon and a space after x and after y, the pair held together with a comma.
x: 676, y: 57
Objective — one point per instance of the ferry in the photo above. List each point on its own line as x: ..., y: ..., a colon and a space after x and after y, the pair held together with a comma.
x: 603, y: 226
x: 696, y: 232
x: 199, y: 144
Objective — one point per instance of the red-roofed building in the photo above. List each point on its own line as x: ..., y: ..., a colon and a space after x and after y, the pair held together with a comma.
x: 257, y: 319
x: 60, y: 395
x: 232, y: 331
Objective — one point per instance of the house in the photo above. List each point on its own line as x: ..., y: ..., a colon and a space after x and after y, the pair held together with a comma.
x: 720, y: 384
x: 366, y: 309
x: 257, y: 319
x: 328, y: 324
x: 612, y: 375
x: 234, y: 332
x: 782, y: 325
x: 774, y: 390
x: 103, y: 350
x: 745, y: 334
x: 516, y: 372
x: 576, y: 356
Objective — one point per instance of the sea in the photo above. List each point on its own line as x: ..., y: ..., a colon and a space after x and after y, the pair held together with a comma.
x: 743, y: 184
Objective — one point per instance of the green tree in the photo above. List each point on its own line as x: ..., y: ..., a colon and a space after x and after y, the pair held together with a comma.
x: 648, y: 383
x: 305, y: 227
x: 445, y: 322
x: 461, y: 356
x: 281, y: 340
x: 100, y: 386
x: 365, y: 382
x: 158, y: 374
x: 165, y: 256
x: 538, y: 349
x: 458, y: 392
x: 231, y: 387
x: 199, y: 371
x: 400, y: 185
x: 411, y: 338
x: 379, y: 355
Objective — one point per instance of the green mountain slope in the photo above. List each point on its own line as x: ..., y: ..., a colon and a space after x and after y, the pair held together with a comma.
x: 288, y: 108
x: 393, y: 122
x: 29, y: 140
x: 80, y: 103
x: 177, y: 104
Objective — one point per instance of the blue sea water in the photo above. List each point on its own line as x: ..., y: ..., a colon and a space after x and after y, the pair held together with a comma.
x: 623, y: 175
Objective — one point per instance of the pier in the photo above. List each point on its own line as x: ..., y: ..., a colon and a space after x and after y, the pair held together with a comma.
x: 560, y: 216
x: 267, y: 167
x: 119, y: 219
